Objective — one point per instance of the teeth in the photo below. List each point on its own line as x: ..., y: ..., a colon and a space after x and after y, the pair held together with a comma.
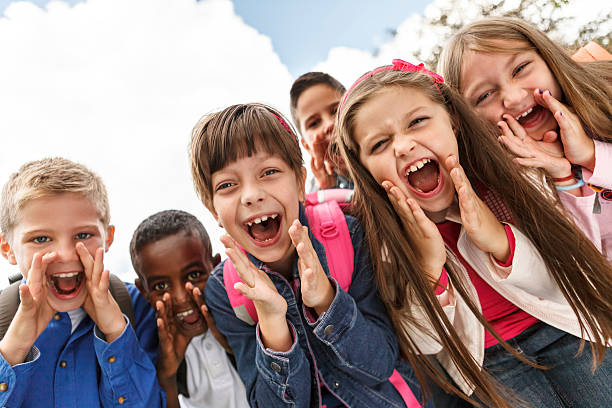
x: 66, y: 275
x: 184, y: 314
x: 261, y: 219
x: 522, y: 115
x: 417, y: 165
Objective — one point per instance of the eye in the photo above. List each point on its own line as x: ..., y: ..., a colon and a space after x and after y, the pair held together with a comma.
x: 313, y: 124
x: 83, y: 235
x: 483, y: 97
x: 334, y: 109
x: 269, y: 172
x: 160, y: 286
x: 518, y: 69
x: 417, y: 121
x: 378, y: 145
x: 41, y: 239
x: 194, y: 275
x: 223, y: 186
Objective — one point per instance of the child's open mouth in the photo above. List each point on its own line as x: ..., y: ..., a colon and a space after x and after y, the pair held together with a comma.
x: 424, y: 177
x: 66, y: 284
x: 531, y: 116
x: 265, y: 229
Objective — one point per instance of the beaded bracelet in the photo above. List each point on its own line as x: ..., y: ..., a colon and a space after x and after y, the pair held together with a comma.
x: 580, y: 183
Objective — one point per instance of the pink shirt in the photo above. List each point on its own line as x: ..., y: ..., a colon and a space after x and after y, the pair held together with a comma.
x: 506, y: 318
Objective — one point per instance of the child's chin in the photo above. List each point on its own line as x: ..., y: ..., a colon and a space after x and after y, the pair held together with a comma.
x: 66, y: 305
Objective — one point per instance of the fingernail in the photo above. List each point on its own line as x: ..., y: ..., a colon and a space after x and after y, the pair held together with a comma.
x: 504, y: 118
x: 549, y: 93
x: 197, y: 291
x: 540, y: 91
x: 560, y: 113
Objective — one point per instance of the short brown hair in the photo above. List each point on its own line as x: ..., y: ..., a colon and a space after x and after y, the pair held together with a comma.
x: 222, y: 137
x: 306, y: 81
x: 46, y: 177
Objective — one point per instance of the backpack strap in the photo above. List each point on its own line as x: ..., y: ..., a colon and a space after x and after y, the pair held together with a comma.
x: 342, y: 196
x: 328, y: 225
x: 404, y: 390
x: 9, y: 302
x: 243, y: 307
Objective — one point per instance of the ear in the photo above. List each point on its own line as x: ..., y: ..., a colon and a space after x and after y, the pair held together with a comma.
x: 302, y: 186
x: 110, y: 237
x: 141, y: 288
x: 304, y: 144
x: 215, y: 260
x: 6, y: 250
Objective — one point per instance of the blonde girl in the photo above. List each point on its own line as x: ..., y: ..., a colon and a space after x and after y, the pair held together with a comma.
x: 457, y: 282
x: 553, y: 112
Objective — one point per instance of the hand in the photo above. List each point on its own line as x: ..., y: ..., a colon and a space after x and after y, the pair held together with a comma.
x: 271, y: 307
x: 256, y: 284
x: 425, y: 234
x: 485, y: 231
x: 546, y: 154
x: 578, y: 147
x: 33, y: 314
x: 100, y: 304
x: 322, y: 168
x: 198, y: 298
x: 317, y: 291
x: 172, y: 342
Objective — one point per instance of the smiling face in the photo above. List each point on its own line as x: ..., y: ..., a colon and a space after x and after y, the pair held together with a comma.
x: 167, y: 265
x: 496, y: 84
x: 404, y: 137
x: 256, y: 199
x: 316, y: 109
x: 56, y: 223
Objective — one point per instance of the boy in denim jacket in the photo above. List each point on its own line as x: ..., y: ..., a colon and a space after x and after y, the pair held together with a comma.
x: 69, y: 344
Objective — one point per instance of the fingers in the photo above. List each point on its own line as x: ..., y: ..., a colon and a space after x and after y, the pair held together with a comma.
x: 427, y: 227
x: 27, y: 301
x: 241, y: 262
x: 97, y: 272
x: 306, y: 253
x: 550, y: 136
x: 329, y: 167
x: 86, y: 259
x: 544, y: 98
x: 398, y: 199
x: 513, y: 126
x: 320, y: 145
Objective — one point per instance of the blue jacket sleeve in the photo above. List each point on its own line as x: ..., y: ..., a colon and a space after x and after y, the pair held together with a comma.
x: 128, y: 363
x: 16, y: 379
x: 357, y: 316
x: 271, y: 379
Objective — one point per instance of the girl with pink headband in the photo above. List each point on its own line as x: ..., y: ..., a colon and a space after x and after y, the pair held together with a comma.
x: 473, y: 263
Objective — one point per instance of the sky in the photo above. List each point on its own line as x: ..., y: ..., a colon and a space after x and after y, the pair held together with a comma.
x: 118, y: 84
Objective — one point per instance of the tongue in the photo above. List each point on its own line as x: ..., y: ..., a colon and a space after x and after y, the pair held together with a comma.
x: 265, y: 230
x: 191, y: 318
x: 425, y: 179
x: 66, y: 284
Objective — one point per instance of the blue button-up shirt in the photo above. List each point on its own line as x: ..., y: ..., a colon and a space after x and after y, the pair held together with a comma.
x: 80, y: 369
x: 352, y: 345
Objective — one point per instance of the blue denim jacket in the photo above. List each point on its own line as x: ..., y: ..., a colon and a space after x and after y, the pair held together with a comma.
x: 352, y: 345
x: 79, y: 369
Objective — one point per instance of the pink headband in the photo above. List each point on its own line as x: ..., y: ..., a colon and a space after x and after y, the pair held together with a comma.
x: 285, y: 125
x: 399, y: 65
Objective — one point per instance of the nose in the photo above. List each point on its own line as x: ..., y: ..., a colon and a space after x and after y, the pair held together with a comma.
x: 179, y: 293
x: 403, y: 144
x: 513, y: 97
x: 251, y: 194
x: 66, y: 251
x: 328, y: 125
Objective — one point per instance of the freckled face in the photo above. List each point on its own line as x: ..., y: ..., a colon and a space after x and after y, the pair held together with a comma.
x: 496, y: 84
x: 404, y: 138
x: 167, y: 265
x: 256, y: 199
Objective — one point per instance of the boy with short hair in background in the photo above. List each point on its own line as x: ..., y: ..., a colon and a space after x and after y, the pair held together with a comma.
x: 314, y: 100
x: 172, y: 255
x: 69, y: 344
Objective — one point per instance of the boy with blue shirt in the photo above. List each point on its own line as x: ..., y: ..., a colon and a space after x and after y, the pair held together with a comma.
x: 69, y: 344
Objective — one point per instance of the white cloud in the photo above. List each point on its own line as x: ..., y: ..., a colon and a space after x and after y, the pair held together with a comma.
x: 117, y: 85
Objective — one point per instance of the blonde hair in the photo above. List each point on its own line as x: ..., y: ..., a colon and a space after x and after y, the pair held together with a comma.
x: 584, y: 276
x: 585, y: 86
x: 50, y: 176
x: 223, y: 137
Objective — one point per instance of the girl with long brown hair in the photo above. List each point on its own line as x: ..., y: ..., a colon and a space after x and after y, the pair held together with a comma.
x: 477, y: 263
x: 554, y: 113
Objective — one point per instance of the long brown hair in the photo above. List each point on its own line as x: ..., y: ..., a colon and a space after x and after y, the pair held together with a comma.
x: 586, y: 87
x: 584, y: 276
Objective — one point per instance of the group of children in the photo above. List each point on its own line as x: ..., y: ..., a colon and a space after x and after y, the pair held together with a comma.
x: 471, y: 267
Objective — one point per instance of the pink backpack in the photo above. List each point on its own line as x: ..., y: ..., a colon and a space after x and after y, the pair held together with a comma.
x: 328, y: 225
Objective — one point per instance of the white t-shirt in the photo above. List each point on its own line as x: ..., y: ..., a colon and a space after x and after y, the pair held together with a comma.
x: 212, y: 380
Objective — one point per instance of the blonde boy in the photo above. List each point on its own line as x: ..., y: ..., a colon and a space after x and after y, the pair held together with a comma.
x: 69, y: 344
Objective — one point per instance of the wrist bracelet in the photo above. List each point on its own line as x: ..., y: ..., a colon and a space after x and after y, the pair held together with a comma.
x: 561, y: 179
x: 580, y: 183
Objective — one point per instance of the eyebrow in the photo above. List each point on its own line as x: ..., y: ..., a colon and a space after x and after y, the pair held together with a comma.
x: 336, y: 103
x: 192, y: 265
x: 404, y: 119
